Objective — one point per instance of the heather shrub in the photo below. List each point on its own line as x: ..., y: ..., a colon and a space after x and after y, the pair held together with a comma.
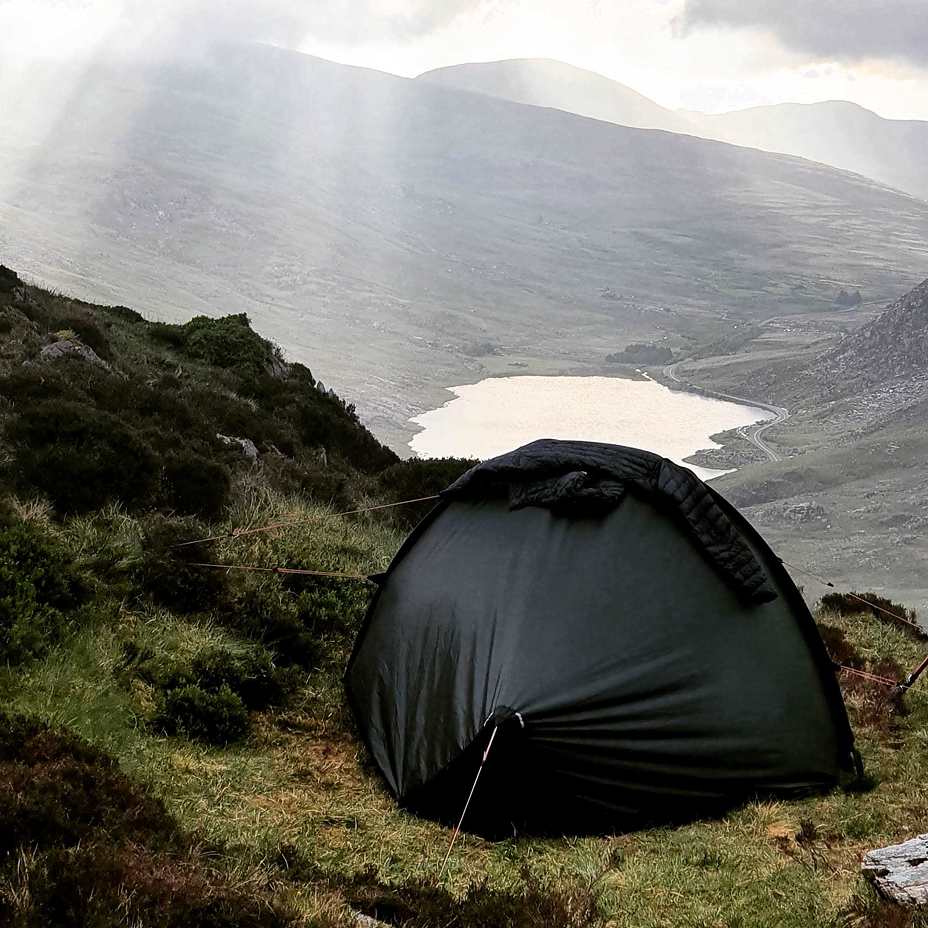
x: 36, y: 584
x: 879, y: 607
x: 91, y: 334
x: 195, y: 485
x: 58, y: 790
x: 251, y: 675
x: 266, y: 614
x: 81, y: 458
x: 83, y: 844
x: 420, y: 903
x: 168, y: 571
x: 219, y: 717
x: 417, y: 478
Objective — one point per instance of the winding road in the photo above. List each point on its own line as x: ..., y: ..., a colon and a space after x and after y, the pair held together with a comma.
x: 752, y: 433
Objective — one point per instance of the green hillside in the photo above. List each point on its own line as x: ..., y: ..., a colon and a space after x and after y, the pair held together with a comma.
x: 175, y: 749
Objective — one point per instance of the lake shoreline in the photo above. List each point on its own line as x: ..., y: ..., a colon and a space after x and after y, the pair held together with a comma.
x: 496, y: 414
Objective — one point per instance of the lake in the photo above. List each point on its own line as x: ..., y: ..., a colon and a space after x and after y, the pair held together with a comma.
x: 500, y: 413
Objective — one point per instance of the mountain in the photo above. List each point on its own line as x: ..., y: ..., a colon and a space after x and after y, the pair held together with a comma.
x: 843, y: 135
x: 545, y: 82
x: 407, y: 236
x: 892, y: 347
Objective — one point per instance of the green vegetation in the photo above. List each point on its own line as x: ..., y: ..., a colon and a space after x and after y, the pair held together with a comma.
x: 175, y: 749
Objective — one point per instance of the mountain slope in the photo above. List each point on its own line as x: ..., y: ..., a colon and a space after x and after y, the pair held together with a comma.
x: 842, y: 134
x: 390, y: 229
x: 836, y: 133
x: 544, y: 82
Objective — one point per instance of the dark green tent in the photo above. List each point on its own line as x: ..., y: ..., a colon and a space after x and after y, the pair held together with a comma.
x: 638, y: 649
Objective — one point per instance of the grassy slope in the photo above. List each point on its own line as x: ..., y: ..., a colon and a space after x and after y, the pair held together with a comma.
x: 296, y: 810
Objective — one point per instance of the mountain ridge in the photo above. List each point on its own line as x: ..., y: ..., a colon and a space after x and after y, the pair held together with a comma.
x: 840, y: 133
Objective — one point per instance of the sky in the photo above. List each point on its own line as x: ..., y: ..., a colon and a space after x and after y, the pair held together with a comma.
x: 708, y: 55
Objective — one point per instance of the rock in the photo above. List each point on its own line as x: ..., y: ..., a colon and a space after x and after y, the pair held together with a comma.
x: 9, y: 279
x: 247, y: 446
x: 71, y: 347
x: 278, y: 367
x: 804, y: 512
x: 900, y: 871
x: 365, y: 921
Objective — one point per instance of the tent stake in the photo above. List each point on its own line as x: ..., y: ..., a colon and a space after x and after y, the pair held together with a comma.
x: 470, y: 796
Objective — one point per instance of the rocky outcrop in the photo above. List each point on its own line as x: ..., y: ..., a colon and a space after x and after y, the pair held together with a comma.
x: 246, y: 445
x: 892, y: 346
x: 71, y: 348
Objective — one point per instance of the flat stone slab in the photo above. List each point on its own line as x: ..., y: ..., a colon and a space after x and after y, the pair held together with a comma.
x: 900, y: 871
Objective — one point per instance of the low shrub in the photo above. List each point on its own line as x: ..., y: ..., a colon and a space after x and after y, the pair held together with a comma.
x: 91, y: 334
x: 418, y: 903
x: 417, y: 478
x: 56, y: 790
x: 329, y: 607
x: 168, y: 571
x: 266, y: 614
x: 219, y: 717
x: 37, y: 583
x: 227, y: 342
x: 251, y: 675
x: 81, y: 458
x: 195, y: 485
x: 82, y: 844
x: 895, y: 614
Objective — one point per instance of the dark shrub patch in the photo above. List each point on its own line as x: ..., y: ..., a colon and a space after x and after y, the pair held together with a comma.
x: 878, y: 606
x: 265, y: 614
x: 329, y: 607
x: 168, y: 573
x: 250, y: 675
x: 58, y: 790
x: 80, y: 457
x: 95, y: 887
x: 416, y: 478
x: 9, y: 279
x: 227, y: 342
x: 89, y: 333
x: 83, y: 845
x: 195, y: 485
x: 123, y: 313
x: 36, y: 584
x: 840, y: 650
x: 216, y: 718
x: 424, y: 904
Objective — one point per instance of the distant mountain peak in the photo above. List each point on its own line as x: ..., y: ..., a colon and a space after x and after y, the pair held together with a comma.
x: 558, y: 85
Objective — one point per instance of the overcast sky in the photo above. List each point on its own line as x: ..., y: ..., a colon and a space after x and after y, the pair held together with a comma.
x: 708, y: 55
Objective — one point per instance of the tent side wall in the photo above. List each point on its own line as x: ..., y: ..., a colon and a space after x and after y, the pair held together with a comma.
x: 647, y: 687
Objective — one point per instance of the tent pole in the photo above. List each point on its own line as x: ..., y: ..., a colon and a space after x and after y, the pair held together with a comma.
x: 470, y: 796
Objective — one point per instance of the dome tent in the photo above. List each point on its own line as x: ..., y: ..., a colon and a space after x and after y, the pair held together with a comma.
x: 640, y: 653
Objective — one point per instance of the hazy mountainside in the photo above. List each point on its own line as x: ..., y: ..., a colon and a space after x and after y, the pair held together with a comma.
x: 392, y: 229
x: 849, y: 499
x: 544, y: 82
x: 840, y: 134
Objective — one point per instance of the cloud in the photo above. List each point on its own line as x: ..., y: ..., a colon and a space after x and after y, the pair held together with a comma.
x: 71, y: 26
x: 844, y: 30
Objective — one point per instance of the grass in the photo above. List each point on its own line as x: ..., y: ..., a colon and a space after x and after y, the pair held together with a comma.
x: 297, y: 802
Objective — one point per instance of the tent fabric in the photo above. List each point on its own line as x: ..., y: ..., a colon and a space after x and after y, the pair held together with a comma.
x: 589, y: 601
x: 572, y: 474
